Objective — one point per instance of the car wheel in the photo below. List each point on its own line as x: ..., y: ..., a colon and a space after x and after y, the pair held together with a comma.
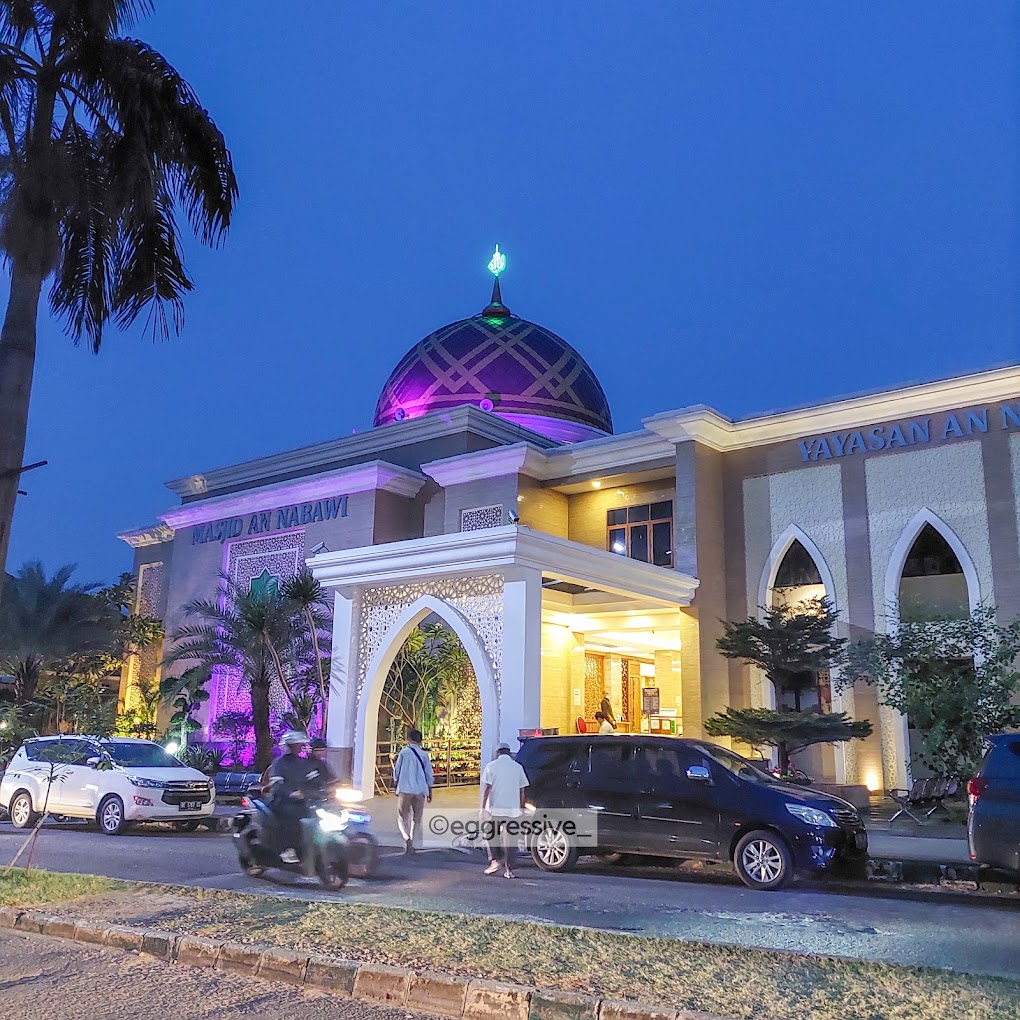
x: 333, y: 872
x: 189, y: 826
x: 364, y: 855
x: 110, y: 815
x: 22, y: 815
x: 763, y: 860
x: 552, y: 850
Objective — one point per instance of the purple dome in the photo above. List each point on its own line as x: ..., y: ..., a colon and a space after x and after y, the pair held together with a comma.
x: 531, y: 376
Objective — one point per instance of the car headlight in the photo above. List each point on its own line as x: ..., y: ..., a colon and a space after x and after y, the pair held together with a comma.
x: 149, y: 784
x: 811, y: 815
x: 330, y: 822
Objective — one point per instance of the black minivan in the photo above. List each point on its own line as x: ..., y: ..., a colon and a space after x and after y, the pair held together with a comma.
x: 993, y: 824
x: 670, y: 797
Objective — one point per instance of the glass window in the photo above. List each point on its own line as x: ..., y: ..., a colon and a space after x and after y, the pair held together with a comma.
x: 662, y: 543
x: 67, y: 752
x: 642, y: 532
x: 639, y: 542
x: 140, y: 755
x: 611, y: 766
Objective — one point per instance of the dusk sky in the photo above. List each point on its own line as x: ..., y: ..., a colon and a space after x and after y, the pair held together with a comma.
x: 745, y: 205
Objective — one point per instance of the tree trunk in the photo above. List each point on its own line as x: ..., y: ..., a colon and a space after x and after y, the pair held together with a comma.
x: 17, y: 365
x: 784, y: 759
x: 323, y: 693
x: 260, y: 720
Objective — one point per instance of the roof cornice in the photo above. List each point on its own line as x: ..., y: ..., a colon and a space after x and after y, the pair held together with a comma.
x: 361, y: 446
x: 152, y: 534
x: 375, y: 475
x: 499, y: 549
x: 705, y: 425
x: 521, y: 458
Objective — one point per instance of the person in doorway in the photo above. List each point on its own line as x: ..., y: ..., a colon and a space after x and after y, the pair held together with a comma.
x: 288, y: 778
x: 503, y: 784
x: 605, y: 726
x: 413, y: 779
x: 606, y: 708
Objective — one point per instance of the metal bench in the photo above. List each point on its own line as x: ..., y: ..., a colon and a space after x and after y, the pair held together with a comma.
x: 924, y: 793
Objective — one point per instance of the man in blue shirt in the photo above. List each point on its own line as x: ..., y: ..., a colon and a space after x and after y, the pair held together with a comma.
x: 412, y: 775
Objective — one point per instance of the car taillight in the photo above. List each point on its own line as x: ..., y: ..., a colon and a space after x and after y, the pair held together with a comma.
x: 975, y: 787
x: 245, y: 802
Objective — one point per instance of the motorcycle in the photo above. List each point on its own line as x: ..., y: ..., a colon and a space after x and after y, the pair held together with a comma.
x: 335, y: 842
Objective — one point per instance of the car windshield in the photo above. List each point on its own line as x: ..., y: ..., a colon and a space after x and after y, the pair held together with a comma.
x: 141, y: 756
x: 738, y: 766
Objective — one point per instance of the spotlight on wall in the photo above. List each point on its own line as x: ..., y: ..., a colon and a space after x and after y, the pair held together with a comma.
x: 316, y: 549
x: 400, y: 414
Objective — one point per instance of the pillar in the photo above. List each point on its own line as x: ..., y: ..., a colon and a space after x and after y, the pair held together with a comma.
x: 521, y: 676
x: 343, y: 665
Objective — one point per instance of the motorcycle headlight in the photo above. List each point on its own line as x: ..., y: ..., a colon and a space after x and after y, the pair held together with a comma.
x: 348, y: 795
x: 812, y: 816
x: 330, y: 822
x: 148, y: 784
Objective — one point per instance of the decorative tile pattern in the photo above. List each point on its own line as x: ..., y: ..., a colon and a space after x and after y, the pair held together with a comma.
x: 271, y: 557
x: 479, y: 600
x: 481, y: 517
x: 594, y: 684
x: 144, y: 667
x: 520, y: 366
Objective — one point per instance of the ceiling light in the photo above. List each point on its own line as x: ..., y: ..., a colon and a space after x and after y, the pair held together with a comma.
x: 596, y: 485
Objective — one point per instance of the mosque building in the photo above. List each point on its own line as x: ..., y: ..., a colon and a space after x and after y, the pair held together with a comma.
x: 575, y: 564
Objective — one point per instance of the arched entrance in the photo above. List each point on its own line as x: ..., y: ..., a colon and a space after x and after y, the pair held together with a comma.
x: 796, y: 572
x: 427, y: 610
x: 431, y: 687
x: 930, y: 574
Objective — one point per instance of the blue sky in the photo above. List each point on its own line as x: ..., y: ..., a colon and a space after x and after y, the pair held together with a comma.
x: 745, y: 205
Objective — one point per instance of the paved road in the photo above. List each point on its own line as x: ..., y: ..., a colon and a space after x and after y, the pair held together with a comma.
x: 45, y: 978
x: 664, y: 902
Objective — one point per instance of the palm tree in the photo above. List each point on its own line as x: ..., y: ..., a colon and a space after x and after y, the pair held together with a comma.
x: 102, y: 143
x: 47, y: 621
x: 242, y: 631
x: 305, y: 595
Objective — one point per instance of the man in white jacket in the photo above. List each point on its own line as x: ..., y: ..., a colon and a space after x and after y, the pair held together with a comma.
x: 503, y: 784
x: 412, y: 775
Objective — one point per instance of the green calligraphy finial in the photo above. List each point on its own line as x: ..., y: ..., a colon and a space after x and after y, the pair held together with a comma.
x: 497, y: 263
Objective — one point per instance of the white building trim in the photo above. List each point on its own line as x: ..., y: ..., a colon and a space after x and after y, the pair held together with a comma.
x: 376, y: 475
x: 498, y: 549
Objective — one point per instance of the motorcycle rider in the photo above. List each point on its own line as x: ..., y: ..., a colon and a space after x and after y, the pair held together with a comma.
x: 320, y: 776
x: 289, y: 776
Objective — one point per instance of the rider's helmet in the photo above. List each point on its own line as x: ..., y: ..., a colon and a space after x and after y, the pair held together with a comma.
x: 318, y: 744
x: 294, y: 738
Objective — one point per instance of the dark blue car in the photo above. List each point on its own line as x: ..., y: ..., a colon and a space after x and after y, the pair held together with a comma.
x: 668, y: 797
x: 993, y: 825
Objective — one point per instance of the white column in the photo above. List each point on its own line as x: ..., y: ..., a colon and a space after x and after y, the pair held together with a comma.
x: 343, y: 666
x: 521, y: 701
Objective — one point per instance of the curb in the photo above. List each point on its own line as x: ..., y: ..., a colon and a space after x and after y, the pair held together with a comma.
x: 449, y: 995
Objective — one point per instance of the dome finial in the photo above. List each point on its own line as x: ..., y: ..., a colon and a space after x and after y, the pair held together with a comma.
x: 496, y: 309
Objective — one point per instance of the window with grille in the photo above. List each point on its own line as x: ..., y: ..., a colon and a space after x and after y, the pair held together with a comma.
x: 642, y: 532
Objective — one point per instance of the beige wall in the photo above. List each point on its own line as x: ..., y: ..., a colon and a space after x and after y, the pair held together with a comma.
x: 587, y: 524
x: 542, y: 509
x: 562, y: 672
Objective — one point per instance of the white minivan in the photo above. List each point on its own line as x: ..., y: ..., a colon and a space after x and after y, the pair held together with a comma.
x: 113, y: 782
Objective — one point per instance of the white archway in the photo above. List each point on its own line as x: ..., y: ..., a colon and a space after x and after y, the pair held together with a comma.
x: 841, y: 701
x: 895, y: 735
x: 378, y: 669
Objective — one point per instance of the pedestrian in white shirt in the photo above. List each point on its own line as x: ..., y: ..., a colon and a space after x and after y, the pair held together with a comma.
x: 412, y: 775
x: 503, y: 784
x: 605, y: 726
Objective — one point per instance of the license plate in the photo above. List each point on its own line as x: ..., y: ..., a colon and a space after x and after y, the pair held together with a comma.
x: 191, y: 805
x: 861, y: 838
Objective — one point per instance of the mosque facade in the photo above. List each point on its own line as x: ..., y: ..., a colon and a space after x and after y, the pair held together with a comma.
x: 574, y: 563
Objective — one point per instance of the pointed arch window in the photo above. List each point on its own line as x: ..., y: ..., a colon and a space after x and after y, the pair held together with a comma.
x: 932, y: 583
x: 797, y: 568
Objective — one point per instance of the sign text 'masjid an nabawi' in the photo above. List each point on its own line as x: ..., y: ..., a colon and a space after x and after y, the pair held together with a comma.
x: 270, y: 520
x: 911, y: 432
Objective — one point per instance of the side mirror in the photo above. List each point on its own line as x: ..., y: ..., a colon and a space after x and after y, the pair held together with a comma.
x: 93, y: 763
x: 699, y: 774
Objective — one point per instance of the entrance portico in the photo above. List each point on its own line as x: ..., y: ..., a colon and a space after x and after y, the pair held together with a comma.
x: 497, y: 589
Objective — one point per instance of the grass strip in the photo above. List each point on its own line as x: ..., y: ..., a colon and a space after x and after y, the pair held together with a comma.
x: 19, y: 889
x: 731, y: 981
